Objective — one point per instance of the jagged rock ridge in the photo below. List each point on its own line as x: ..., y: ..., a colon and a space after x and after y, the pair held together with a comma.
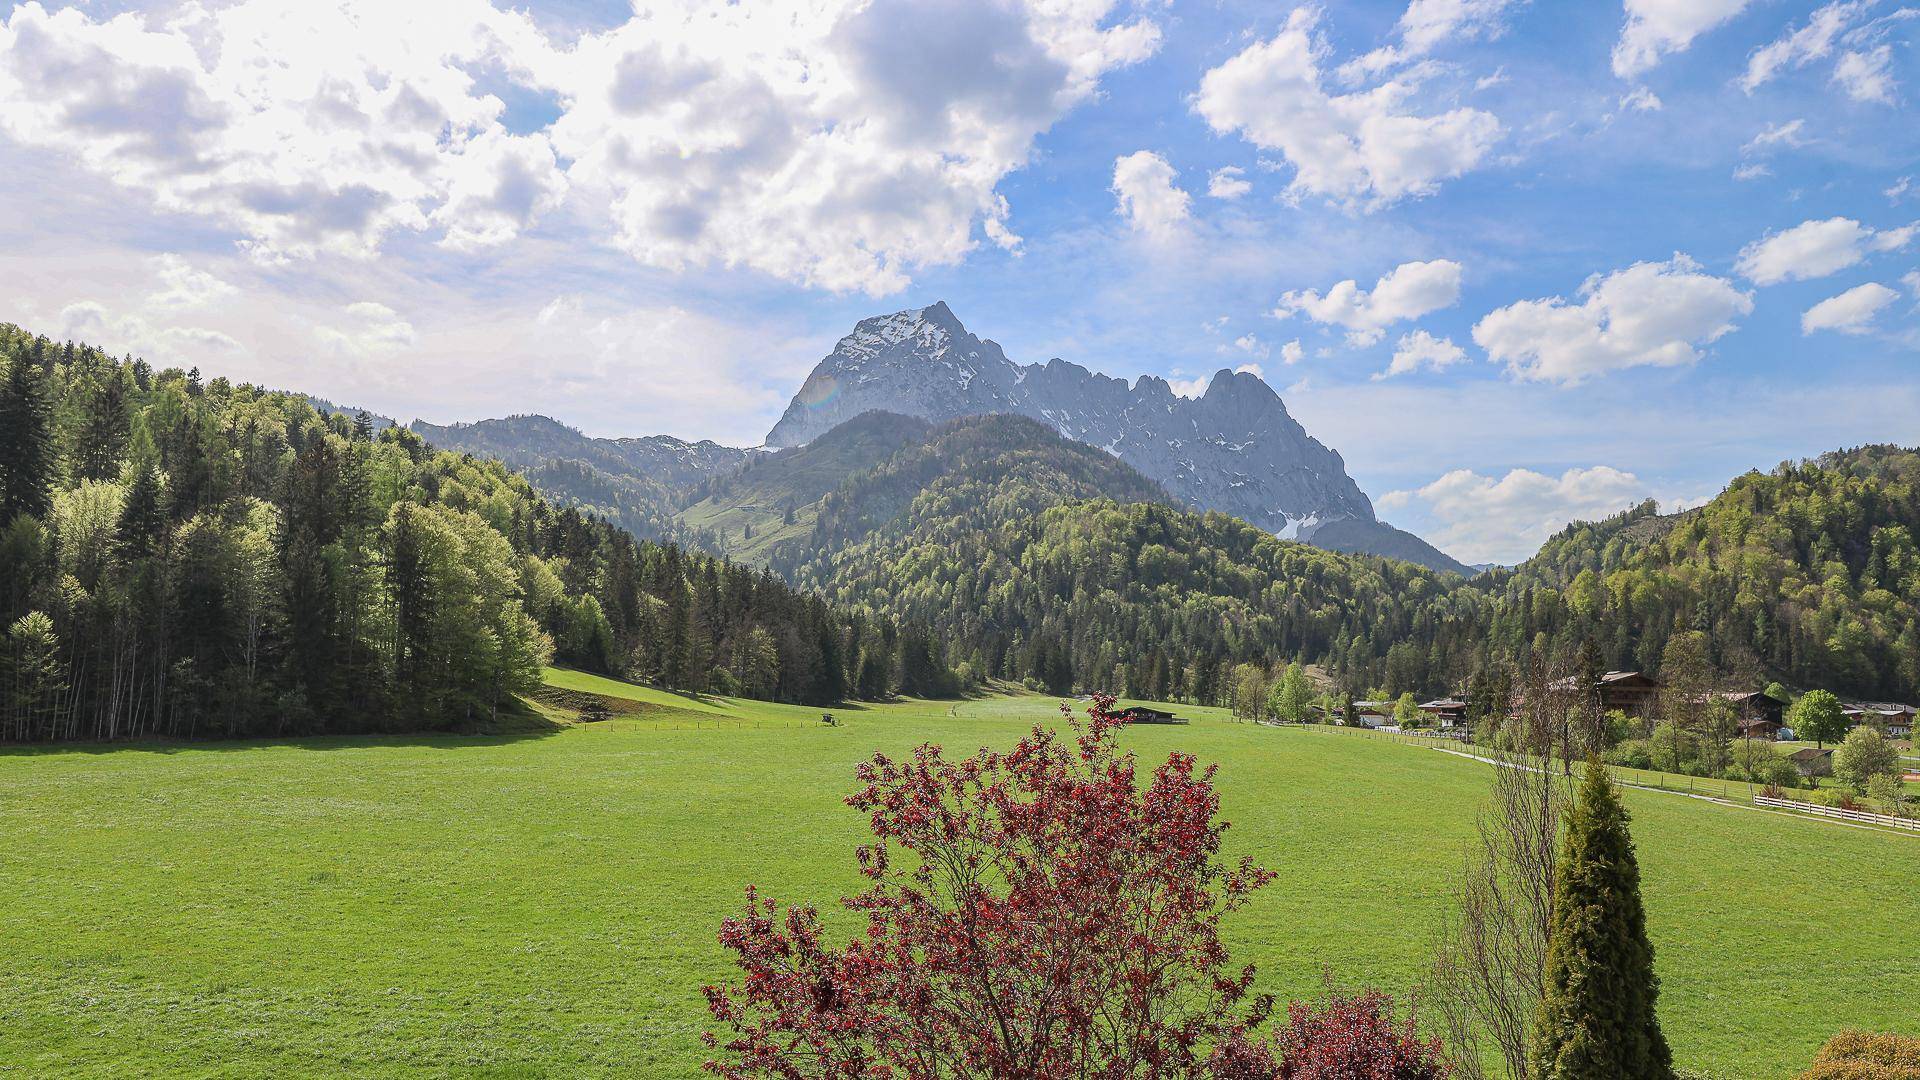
x: 1234, y: 449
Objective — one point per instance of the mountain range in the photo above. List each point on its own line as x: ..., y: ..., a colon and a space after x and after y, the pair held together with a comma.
x: 1234, y: 449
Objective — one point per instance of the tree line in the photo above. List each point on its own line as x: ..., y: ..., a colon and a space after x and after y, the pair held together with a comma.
x: 193, y: 558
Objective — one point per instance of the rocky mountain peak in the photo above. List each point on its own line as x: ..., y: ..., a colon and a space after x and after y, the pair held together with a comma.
x: 1235, y: 449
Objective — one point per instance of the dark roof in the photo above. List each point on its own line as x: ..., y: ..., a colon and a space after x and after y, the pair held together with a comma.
x: 1809, y: 753
x: 1445, y: 703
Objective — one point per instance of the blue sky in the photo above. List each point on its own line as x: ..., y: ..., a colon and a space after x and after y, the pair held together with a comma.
x: 1596, y: 252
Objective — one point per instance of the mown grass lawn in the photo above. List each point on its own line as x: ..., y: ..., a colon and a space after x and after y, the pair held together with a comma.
x: 546, y: 905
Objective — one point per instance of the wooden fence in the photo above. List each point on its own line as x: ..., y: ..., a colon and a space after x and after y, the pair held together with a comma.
x: 1858, y: 816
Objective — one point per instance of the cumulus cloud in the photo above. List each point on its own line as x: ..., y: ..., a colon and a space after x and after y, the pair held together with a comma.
x: 1408, y: 291
x: 1253, y: 346
x: 1657, y: 28
x: 1814, y: 249
x: 1228, y: 183
x: 1293, y: 353
x: 1428, y: 24
x: 304, y: 127
x: 1145, y: 193
x: 1504, y: 520
x: 1422, y: 350
x: 1650, y: 314
x: 1800, y: 47
x: 1867, y: 75
x: 838, y: 144
x: 834, y: 144
x: 367, y: 329
x: 1851, y: 312
x: 183, y: 286
x: 1367, y: 148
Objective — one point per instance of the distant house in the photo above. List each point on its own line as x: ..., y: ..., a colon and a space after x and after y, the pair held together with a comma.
x: 1373, y: 714
x: 1141, y: 714
x: 1812, y: 761
x: 1895, y: 720
x: 1752, y: 705
x: 1632, y: 692
x: 1446, y: 712
x: 1760, y: 729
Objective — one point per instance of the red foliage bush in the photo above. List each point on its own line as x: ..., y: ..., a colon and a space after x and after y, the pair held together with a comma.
x: 1035, y: 913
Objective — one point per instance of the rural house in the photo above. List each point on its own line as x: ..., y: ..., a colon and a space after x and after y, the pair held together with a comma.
x: 1632, y: 692
x: 1812, y: 761
x: 1896, y: 721
x: 1446, y: 712
x: 1373, y: 714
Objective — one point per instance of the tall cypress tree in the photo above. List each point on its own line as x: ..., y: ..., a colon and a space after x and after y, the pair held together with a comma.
x: 26, y: 443
x: 1597, y: 1018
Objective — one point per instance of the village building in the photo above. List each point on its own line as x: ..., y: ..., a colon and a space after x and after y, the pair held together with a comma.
x: 1446, y: 713
x: 1632, y: 692
x: 1142, y: 714
x: 1373, y: 714
x: 1893, y: 720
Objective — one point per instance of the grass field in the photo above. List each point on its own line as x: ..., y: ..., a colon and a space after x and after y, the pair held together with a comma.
x: 545, y: 905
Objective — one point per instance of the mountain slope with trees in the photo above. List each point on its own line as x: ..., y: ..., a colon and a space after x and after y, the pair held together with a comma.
x: 189, y: 558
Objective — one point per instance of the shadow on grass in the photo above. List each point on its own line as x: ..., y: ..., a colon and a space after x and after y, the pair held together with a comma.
x: 512, y: 726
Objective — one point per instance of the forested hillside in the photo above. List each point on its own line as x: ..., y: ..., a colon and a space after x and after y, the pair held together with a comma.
x: 1809, y: 573
x: 638, y: 484
x: 189, y: 558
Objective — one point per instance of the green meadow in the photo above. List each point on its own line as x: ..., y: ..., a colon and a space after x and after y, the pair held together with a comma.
x: 544, y: 904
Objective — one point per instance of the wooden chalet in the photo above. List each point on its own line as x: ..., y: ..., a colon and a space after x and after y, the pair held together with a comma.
x: 1446, y: 712
x: 1760, y: 729
x: 1632, y: 692
x: 1755, y: 705
x: 1894, y: 720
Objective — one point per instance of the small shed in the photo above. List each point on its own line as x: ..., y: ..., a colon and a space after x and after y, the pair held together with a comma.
x: 1812, y: 761
x: 1142, y: 714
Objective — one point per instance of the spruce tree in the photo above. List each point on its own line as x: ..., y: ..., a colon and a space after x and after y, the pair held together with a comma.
x: 26, y: 443
x: 1597, y: 1016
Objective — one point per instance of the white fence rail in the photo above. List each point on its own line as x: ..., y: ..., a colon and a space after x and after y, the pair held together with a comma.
x: 1860, y: 816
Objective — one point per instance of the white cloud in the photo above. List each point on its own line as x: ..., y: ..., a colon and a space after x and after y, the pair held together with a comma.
x: 1504, y: 520
x: 1228, y: 183
x: 1866, y: 76
x: 1189, y: 388
x: 833, y: 143
x: 1851, y: 312
x: 1252, y: 369
x: 1911, y: 280
x: 1366, y: 148
x: 303, y: 127
x: 1656, y: 28
x: 1640, y: 99
x: 1293, y: 353
x: 1408, y: 291
x: 1752, y: 170
x: 184, y: 287
x: 1253, y: 346
x: 1421, y: 349
x: 1428, y: 24
x: 1782, y: 134
x: 1814, y: 249
x: 1488, y: 82
x: 369, y: 329
x: 1656, y: 314
x: 1144, y: 191
x: 1898, y: 190
x: 1801, y: 47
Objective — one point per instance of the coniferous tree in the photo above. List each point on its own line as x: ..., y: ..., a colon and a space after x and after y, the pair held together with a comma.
x: 26, y: 443
x: 1597, y: 1019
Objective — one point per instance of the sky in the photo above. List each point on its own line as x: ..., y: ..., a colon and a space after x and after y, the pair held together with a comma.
x: 1520, y: 263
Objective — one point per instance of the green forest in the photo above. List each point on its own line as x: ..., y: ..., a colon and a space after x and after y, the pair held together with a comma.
x: 194, y: 558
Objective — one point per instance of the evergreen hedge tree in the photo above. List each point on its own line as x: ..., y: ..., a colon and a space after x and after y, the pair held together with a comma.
x: 1597, y: 1017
